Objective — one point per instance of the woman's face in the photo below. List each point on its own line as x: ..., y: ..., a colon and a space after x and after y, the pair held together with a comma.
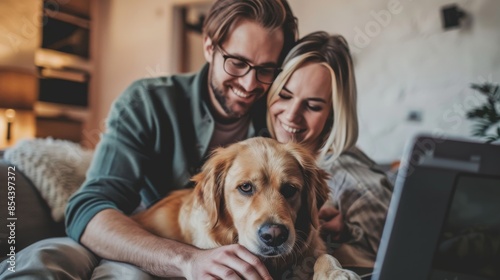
x: 303, y: 106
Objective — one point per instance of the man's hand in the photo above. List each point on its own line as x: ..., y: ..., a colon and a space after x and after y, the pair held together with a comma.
x: 332, y: 223
x: 226, y: 262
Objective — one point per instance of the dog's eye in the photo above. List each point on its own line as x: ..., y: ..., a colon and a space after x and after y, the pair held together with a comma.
x: 246, y: 188
x: 288, y: 190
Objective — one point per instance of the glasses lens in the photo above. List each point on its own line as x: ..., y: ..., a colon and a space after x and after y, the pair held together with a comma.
x: 236, y: 67
x: 266, y: 75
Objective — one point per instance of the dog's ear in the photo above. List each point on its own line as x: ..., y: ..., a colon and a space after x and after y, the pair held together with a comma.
x: 316, y: 190
x: 209, y: 184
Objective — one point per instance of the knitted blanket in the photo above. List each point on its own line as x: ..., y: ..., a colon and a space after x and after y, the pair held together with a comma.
x: 56, y: 167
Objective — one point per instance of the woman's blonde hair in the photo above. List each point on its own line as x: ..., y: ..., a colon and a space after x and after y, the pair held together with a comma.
x: 341, y: 130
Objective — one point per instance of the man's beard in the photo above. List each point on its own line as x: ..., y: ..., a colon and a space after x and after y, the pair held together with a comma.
x: 221, y: 98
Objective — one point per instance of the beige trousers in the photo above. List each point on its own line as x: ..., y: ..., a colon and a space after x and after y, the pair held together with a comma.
x: 63, y: 258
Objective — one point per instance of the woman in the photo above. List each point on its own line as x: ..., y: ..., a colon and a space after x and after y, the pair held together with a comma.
x: 313, y: 101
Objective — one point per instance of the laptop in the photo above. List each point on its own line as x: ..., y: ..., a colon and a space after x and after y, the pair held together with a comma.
x: 444, y: 217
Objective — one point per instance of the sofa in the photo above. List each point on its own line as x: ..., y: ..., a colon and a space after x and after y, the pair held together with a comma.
x: 47, y: 172
x: 34, y: 221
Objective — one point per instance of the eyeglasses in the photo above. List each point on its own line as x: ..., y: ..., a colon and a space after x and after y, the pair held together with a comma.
x: 238, y: 67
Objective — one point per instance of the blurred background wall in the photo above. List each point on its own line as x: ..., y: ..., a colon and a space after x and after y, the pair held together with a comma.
x: 412, y: 74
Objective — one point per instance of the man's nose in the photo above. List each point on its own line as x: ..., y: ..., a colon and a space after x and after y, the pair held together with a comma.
x: 249, y: 82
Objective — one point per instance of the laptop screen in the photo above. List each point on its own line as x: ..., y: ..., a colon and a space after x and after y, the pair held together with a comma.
x: 469, y: 242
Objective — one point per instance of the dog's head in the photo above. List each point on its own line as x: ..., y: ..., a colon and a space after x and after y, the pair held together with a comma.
x: 263, y: 195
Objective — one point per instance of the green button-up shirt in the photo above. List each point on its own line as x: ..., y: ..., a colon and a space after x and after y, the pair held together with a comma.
x: 157, y: 137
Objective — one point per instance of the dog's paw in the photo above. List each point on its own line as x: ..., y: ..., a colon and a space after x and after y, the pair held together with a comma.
x: 327, y: 267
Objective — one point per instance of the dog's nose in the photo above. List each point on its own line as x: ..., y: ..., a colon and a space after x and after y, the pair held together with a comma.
x: 273, y: 234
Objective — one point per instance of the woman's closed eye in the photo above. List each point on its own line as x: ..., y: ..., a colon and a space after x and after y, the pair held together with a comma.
x: 284, y: 95
x: 314, y: 108
x: 312, y: 104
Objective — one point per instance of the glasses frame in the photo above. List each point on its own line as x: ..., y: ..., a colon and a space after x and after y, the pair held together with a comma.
x: 227, y: 56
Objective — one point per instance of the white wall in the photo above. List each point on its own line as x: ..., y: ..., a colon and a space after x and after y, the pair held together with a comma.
x: 406, y: 62
x: 130, y: 41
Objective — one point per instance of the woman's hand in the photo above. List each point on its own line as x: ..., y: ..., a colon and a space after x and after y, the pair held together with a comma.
x: 332, y: 223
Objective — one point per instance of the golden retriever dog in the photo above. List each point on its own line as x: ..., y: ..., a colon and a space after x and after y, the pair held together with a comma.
x: 261, y: 194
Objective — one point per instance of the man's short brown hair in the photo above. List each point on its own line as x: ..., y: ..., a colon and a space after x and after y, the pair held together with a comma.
x: 271, y: 14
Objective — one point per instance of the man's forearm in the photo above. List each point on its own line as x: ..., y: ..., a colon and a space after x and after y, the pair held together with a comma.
x: 114, y: 236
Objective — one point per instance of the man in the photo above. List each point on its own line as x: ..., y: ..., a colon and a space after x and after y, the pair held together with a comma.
x: 159, y: 133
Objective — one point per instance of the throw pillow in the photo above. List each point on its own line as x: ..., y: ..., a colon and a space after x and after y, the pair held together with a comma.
x: 56, y: 167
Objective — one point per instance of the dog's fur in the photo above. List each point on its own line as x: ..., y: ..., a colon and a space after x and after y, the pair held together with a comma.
x: 284, y: 187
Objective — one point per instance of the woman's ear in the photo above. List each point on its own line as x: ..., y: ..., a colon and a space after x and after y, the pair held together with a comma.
x: 208, y: 49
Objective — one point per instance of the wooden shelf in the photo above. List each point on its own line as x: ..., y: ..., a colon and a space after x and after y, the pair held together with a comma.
x: 59, y: 128
x: 80, y: 8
